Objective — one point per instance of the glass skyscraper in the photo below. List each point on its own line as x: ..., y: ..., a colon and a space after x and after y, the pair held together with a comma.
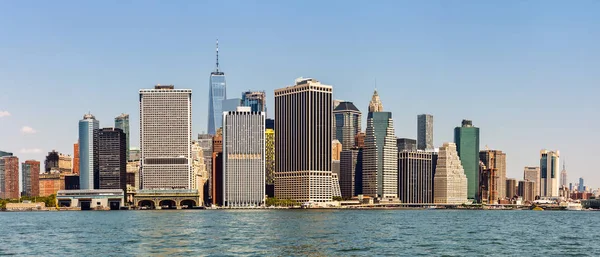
x: 88, y: 152
x: 216, y: 94
x: 346, y: 124
x: 122, y: 122
x: 466, y: 138
x: 256, y: 100
x: 425, y: 132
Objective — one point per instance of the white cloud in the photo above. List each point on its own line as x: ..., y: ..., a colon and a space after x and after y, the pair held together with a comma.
x: 28, y: 130
x: 4, y: 114
x: 32, y: 150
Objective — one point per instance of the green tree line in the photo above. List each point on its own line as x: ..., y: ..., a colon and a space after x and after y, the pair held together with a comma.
x: 50, y: 201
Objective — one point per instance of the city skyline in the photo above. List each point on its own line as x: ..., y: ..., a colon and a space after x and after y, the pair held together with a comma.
x: 31, y: 132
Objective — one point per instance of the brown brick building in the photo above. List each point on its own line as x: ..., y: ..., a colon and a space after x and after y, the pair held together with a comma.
x: 50, y: 183
x: 31, y: 178
x: 9, y: 177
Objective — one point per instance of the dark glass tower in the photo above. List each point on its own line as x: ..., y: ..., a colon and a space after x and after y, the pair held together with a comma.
x: 346, y: 124
x: 112, y: 159
x: 466, y: 138
x: 216, y: 94
x: 425, y: 132
x: 122, y: 122
x: 256, y: 100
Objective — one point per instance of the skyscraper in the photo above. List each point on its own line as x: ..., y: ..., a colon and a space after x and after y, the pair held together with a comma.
x: 380, y: 171
x: 488, y: 184
x: 270, y: 161
x: 425, y: 132
x: 527, y: 190
x: 243, y: 158
x: 31, y: 178
x: 563, y: 176
x: 88, y: 152
x: 217, y: 169
x: 336, y: 149
x: 496, y: 160
x: 9, y: 177
x: 466, y: 139
x: 415, y: 176
x: 347, y: 119
x: 205, y: 142
x: 533, y: 174
x: 122, y: 122
x: 165, y: 138
x: 256, y: 100
x: 450, y: 181
x: 549, y: 165
x: 216, y: 94
x: 303, y: 122
x: 511, y: 188
x: 351, y: 172
x: 581, y: 187
x: 406, y: 144
x: 112, y: 159
x: 76, y: 158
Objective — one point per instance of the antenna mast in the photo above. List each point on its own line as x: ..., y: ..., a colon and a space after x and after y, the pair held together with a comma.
x: 217, y: 55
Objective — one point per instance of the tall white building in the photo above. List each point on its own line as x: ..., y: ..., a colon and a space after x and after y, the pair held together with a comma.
x: 165, y: 138
x: 450, y: 181
x: 303, y: 125
x: 549, y: 165
x: 88, y: 152
x: 243, y: 158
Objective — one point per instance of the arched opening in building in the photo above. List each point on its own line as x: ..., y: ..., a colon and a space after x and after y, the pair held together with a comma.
x: 64, y: 203
x: 146, y: 205
x: 188, y: 204
x: 168, y: 204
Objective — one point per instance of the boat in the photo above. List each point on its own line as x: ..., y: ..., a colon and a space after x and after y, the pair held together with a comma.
x: 537, y: 208
x: 574, y: 206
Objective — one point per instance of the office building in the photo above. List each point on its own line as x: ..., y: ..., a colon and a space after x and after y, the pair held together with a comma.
x: 496, y: 160
x: 346, y: 124
x: 466, y: 139
x: 165, y: 138
x: 336, y: 149
x: 71, y: 181
x: 425, y: 132
x: 9, y: 177
x: 450, y: 181
x: 511, y: 188
x: 549, y: 165
x: 135, y: 154
x: 335, y: 188
x: 256, y: 100
x: 217, y: 92
x: 65, y: 163
x: 112, y: 159
x: 488, y: 184
x: 31, y: 178
x: 533, y: 174
x: 581, y: 187
x: 243, y: 158
x: 416, y: 171
x: 270, y: 124
x: 303, y: 122
x: 380, y: 171
x: 76, y: 158
x: 217, y: 169
x: 230, y: 105
x: 351, y: 172
x: 205, y: 142
x: 199, y: 170
x: 359, y: 140
x: 122, y: 122
x: 527, y: 190
x: 51, y: 182
x: 88, y: 152
x: 563, y: 176
x: 270, y: 162
x: 406, y: 144
x: 51, y: 161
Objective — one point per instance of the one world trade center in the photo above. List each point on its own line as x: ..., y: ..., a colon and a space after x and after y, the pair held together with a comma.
x: 216, y: 94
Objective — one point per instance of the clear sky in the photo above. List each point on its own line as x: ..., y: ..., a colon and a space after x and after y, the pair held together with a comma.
x: 526, y: 72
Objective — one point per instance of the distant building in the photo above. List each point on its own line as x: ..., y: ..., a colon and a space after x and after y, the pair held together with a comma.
x: 563, y: 176
x: 98, y: 199
x: 533, y: 174
x: 135, y: 154
x: 230, y: 105
x: 50, y: 183
x: 450, y: 181
x: 270, y: 124
x: 122, y: 122
x: 112, y: 159
x: 581, y: 187
x: 9, y: 177
x: 406, y: 144
x: 496, y: 160
x: 205, y: 142
x: 425, y: 132
x: 336, y: 149
x: 51, y: 161
x: 217, y: 169
x: 359, y: 140
x: 527, y: 190
x: 2, y: 154
x: 71, y: 181
x: 256, y: 100
x: 346, y: 123
x: 380, y: 171
x: 243, y: 158
x: 76, y: 158
x: 335, y: 185
x: 549, y: 163
x: 88, y: 152
x: 488, y: 183
x: 351, y: 165
x: 416, y: 171
x: 270, y: 162
x: 303, y: 141
x: 65, y: 163
x: 217, y: 92
x: 511, y: 188
x: 31, y: 178
x: 132, y: 178
x: 466, y: 138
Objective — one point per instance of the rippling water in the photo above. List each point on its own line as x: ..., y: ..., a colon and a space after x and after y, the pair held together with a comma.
x: 300, y: 233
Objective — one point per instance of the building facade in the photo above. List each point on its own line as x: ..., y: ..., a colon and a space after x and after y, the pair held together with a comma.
x: 88, y: 152
x: 50, y: 183
x: 466, y: 139
x: 336, y: 149
x: 303, y: 121
x: 31, y: 178
x: 122, y: 123
x: 450, y: 181
x: 416, y: 171
x: 270, y: 156
x: 511, y: 188
x: 488, y: 184
x: 406, y: 144
x: 256, y: 100
x: 243, y: 158
x: 533, y: 174
x: 51, y: 161
x: 65, y: 163
x: 205, y: 142
x: 112, y: 159
x: 496, y: 160
x: 351, y: 172
x: 346, y: 124
x: 9, y: 177
x: 165, y: 138
x: 425, y: 132
x: 549, y: 165
x: 527, y: 190
x: 217, y: 169
x: 217, y: 92
x: 76, y: 158
x: 380, y: 171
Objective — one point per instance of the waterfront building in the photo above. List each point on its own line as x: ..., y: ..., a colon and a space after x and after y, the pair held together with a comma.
x: 31, y: 178
x: 351, y: 172
x: 3, y: 153
x: 359, y: 140
x: 346, y: 124
x: 166, y: 146
x: 122, y: 122
x: 51, y: 161
x: 112, y: 159
x: 98, y: 199
x: 549, y: 165
x: 581, y: 187
x: 76, y: 158
x: 380, y: 171
x: 336, y: 149
x: 256, y: 100
x: 450, y: 181
x: 416, y: 171
x: 9, y: 177
x: 511, y: 188
x: 88, y: 152
x: 488, y: 184
x: 533, y: 174
x: 425, y: 132
x: 217, y: 92
x: 65, y: 163
x: 217, y: 168
x: 270, y: 162
x: 303, y: 121
x: 205, y: 142
x: 466, y: 138
x: 496, y: 160
x: 243, y: 158
x: 230, y: 105
x: 51, y: 182
x: 406, y: 144
x: 71, y: 181
x: 527, y: 190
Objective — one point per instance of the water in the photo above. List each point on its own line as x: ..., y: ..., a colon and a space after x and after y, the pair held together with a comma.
x: 300, y: 233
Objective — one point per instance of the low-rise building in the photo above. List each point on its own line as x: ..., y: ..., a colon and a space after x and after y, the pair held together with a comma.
x: 96, y: 199
x: 26, y: 206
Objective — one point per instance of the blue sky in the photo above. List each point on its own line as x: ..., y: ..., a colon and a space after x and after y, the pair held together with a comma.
x: 525, y: 72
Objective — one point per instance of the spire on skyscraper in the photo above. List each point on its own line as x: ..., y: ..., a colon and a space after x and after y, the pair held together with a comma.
x: 375, y: 105
x: 217, y: 55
